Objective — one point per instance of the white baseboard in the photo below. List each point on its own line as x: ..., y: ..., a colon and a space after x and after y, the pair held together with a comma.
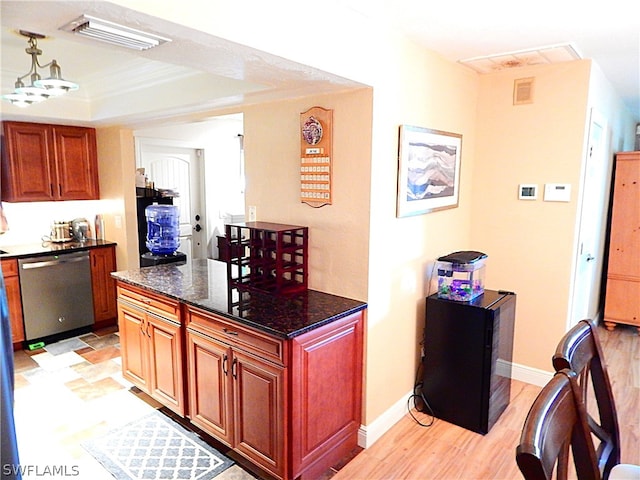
x: 369, y: 434
x: 531, y: 375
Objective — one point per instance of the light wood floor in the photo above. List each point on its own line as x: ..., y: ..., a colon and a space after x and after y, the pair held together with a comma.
x: 447, y: 452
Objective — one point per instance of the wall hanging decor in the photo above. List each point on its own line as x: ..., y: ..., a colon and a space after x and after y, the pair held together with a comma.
x: 428, y: 170
x: 316, y: 137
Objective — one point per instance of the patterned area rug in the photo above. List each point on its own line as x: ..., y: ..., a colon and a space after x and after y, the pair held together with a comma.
x: 156, y: 447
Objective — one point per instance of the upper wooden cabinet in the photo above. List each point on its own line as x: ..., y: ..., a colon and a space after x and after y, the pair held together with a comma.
x: 42, y: 162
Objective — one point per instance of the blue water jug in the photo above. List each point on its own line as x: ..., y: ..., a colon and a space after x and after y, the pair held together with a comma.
x: 163, y: 229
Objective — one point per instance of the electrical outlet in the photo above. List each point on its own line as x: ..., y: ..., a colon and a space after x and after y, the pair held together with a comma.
x: 252, y: 213
x: 118, y: 221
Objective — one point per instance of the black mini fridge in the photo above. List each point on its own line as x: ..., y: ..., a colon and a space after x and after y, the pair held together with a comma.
x: 467, y: 358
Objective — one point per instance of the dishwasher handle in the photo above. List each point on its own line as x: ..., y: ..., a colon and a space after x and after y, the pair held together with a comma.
x: 57, y: 261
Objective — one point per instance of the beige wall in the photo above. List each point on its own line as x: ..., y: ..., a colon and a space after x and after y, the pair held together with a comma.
x: 530, y: 243
x: 338, y: 233
x: 116, y: 167
x: 429, y: 92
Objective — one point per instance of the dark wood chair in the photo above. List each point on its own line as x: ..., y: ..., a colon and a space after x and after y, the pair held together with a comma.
x: 554, y: 432
x: 580, y: 351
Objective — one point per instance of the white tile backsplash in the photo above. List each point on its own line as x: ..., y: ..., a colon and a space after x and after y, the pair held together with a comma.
x: 30, y: 221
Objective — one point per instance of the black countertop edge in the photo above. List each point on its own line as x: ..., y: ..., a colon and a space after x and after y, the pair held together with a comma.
x: 157, y: 291
x: 49, y: 248
x: 312, y: 309
x: 277, y: 333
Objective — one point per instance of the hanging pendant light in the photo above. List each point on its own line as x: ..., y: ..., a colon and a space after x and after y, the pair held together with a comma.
x: 38, y: 89
x: 55, y: 85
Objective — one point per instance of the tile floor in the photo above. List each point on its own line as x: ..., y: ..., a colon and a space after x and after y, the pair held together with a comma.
x: 68, y: 392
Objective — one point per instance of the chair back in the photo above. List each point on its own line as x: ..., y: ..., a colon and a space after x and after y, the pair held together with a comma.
x: 554, y: 432
x: 580, y: 351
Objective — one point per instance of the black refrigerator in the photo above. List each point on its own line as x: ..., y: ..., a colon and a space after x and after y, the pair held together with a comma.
x: 467, y: 358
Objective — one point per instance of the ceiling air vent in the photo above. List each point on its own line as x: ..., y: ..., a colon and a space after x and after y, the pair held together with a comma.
x: 110, y: 32
x: 522, y: 58
x: 523, y: 91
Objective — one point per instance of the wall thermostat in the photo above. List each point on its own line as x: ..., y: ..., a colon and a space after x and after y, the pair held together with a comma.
x: 557, y: 192
x: 527, y: 191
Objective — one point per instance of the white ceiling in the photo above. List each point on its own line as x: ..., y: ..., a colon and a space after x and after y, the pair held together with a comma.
x: 195, y: 72
x: 220, y: 73
x: 606, y: 31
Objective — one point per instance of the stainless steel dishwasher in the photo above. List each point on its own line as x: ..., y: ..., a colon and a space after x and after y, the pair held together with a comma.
x: 56, y: 294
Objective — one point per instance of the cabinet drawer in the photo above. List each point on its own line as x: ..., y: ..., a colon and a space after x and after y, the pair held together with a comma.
x: 262, y: 345
x: 621, y: 304
x: 159, y: 305
x: 10, y: 267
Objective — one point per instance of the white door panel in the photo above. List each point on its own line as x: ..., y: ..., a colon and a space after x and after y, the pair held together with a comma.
x: 584, y: 302
x: 178, y: 169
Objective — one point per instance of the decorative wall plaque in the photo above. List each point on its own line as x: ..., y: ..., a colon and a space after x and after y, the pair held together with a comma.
x: 316, y: 137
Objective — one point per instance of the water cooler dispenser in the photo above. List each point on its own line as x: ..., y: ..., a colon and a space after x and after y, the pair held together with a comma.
x: 163, y: 236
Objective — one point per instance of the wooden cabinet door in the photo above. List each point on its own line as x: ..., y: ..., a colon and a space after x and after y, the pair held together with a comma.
x: 259, y: 409
x: 623, y: 274
x: 43, y: 162
x: 14, y: 299
x: 76, y: 163
x: 165, y: 363
x: 326, y: 393
x: 624, y: 254
x: 27, y: 163
x: 134, y: 346
x: 210, y: 386
x: 105, y: 307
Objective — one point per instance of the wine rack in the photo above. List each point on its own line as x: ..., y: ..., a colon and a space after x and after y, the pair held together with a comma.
x: 268, y: 257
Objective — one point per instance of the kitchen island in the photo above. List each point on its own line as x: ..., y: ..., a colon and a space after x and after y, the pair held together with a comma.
x: 276, y: 378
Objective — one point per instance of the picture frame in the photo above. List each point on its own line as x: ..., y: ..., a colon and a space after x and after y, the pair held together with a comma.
x: 428, y: 170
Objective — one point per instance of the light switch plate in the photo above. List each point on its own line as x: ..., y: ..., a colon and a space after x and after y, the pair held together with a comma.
x: 557, y: 192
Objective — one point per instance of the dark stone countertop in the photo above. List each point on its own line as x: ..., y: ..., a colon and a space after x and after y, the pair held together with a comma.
x: 203, y: 284
x: 47, y: 248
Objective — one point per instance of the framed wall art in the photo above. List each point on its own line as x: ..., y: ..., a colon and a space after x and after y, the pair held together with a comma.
x: 428, y: 170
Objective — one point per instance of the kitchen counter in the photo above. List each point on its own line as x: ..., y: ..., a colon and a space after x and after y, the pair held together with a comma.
x: 203, y: 284
x: 47, y: 248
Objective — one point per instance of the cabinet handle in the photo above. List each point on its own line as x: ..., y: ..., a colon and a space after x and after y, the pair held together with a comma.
x: 234, y: 371
x: 230, y: 332
x: 225, y: 359
x: 60, y: 189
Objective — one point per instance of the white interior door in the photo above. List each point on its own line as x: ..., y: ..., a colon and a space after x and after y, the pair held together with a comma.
x: 585, y: 297
x: 179, y: 169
